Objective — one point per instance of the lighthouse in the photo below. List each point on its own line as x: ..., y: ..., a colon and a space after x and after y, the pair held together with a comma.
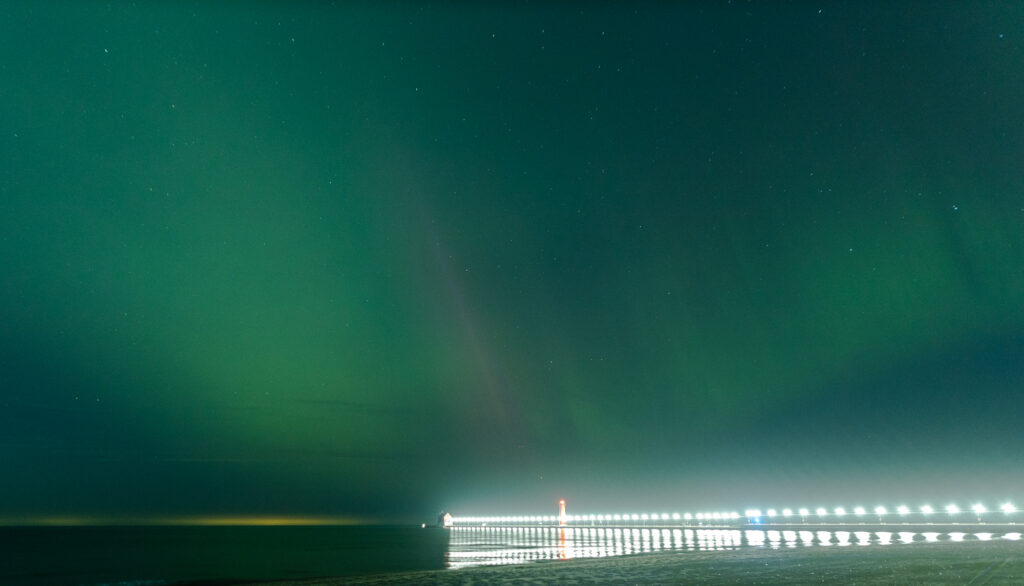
x: 561, y: 513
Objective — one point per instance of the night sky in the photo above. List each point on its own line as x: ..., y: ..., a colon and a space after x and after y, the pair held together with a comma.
x: 368, y: 261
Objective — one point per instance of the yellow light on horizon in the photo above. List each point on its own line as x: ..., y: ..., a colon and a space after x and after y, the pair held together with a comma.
x: 199, y: 520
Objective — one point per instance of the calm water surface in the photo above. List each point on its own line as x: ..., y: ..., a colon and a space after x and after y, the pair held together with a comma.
x: 45, y: 556
x: 171, y: 555
x: 474, y: 546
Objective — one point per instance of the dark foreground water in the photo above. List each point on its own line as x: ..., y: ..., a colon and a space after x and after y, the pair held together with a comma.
x: 45, y: 556
x: 150, y: 556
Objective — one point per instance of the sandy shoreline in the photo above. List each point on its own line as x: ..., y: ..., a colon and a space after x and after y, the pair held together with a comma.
x: 939, y: 563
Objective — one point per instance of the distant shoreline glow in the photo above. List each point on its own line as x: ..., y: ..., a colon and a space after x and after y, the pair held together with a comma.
x: 183, y: 521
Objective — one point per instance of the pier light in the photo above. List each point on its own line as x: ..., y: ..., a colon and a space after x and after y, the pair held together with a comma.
x: 840, y: 511
x: 634, y: 517
x: 734, y: 515
x: 859, y: 511
x: 772, y: 512
x: 664, y: 516
x: 617, y: 517
x: 600, y: 518
x: 804, y: 512
x: 645, y: 516
x: 821, y: 512
x: 593, y: 517
x: 880, y: 510
x: 716, y: 516
x: 787, y: 512
x: 752, y: 513
x: 1008, y: 508
x: 689, y: 517
x: 700, y: 516
x: 927, y: 509
x: 903, y: 509
x: 952, y: 509
x: 978, y: 508
x: 675, y: 516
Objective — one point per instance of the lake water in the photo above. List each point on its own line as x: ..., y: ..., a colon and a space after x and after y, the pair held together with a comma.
x: 149, y: 556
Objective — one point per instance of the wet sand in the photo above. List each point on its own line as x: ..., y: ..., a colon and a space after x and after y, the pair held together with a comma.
x: 993, y: 562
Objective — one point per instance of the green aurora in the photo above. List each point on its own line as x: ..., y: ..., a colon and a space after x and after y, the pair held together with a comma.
x: 374, y: 260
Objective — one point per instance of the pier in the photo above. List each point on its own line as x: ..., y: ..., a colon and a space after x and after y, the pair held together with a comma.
x: 921, y: 518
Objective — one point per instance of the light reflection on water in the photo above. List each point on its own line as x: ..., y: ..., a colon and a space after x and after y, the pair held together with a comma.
x: 481, y: 546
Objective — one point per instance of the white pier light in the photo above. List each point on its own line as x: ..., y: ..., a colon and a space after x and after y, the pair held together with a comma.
x: 664, y: 516
x: 978, y: 508
x: 840, y: 511
x: 753, y: 513
x: 903, y: 509
x: 821, y: 511
x: 787, y: 512
x: 804, y: 512
x: 734, y: 515
x: 859, y: 511
x: 880, y: 510
x: 927, y: 509
x: 1008, y: 508
x: 772, y: 513
x: 952, y: 509
x: 688, y: 516
x: 675, y: 516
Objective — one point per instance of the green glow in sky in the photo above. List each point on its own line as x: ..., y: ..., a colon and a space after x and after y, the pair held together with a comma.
x: 293, y: 259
